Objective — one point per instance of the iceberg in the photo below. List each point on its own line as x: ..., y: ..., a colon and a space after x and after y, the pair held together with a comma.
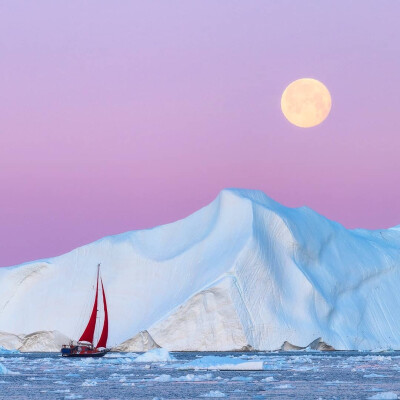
x: 244, y: 272
x: 317, y: 344
x: 155, y: 355
x: 10, y: 341
x: 41, y: 341
x: 6, y: 371
x: 140, y: 342
x: 6, y: 351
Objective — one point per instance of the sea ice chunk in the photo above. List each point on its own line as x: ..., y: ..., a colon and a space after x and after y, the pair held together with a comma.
x: 222, y: 363
x: 384, y: 396
x: 214, y: 393
x: 155, y: 355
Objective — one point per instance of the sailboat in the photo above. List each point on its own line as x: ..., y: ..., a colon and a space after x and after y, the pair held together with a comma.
x: 85, y: 346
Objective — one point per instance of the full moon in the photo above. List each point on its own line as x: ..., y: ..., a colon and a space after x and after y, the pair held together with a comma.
x: 306, y: 102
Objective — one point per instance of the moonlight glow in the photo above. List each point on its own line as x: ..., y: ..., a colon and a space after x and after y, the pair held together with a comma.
x: 306, y: 102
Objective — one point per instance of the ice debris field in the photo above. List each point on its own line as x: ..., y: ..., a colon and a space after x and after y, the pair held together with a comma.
x: 160, y: 374
x: 244, y: 272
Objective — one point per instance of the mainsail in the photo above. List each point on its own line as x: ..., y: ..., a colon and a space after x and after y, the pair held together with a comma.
x: 104, y: 334
x: 88, y: 334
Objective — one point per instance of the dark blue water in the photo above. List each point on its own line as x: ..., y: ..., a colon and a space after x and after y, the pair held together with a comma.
x: 336, y: 375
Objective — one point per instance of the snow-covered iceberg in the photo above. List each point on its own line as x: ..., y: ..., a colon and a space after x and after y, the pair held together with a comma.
x: 243, y: 272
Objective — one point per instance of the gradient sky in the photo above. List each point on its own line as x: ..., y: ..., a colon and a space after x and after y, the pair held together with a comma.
x: 121, y: 115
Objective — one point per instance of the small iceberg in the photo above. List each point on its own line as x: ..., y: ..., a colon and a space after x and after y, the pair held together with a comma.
x: 3, y: 350
x: 384, y: 396
x: 317, y: 344
x: 213, y: 394
x: 155, y: 355
x: 6, y: 371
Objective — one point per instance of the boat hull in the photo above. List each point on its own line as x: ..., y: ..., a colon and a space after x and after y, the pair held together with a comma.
x: 99, y: 354
x: 82, y: 351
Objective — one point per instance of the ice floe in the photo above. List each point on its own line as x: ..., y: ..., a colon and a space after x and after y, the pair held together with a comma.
x: 384, y: 396
x: 155, y: 355
x: 222, y: 363
x: 213, y: 394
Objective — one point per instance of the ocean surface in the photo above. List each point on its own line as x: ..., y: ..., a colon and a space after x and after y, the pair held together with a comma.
x: 296, y: 375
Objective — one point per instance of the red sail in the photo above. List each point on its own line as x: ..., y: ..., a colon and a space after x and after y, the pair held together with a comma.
x: 104, y: 333
x: 87, y: 335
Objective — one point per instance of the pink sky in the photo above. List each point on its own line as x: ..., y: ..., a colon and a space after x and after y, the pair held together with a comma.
x: 124, y: 115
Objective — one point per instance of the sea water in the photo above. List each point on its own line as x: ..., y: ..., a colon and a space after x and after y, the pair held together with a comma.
x: 297, y: 375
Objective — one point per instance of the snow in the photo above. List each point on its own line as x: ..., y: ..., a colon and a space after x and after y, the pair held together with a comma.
x: 243, y: 271
x: 155, y: 355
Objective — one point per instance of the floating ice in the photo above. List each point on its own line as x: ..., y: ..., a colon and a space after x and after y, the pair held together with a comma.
x: 155, y: 355
x: 163, y: 378
x: 242, y: 378
x: 3, y: 350
x: 214, y: 393
x: 184, y: 378
x: 6, y: 371
x: 89, y: 382
x: 284, y: 386
x: 268, y: 379
x: 222, y: 363
x: 384, y: 396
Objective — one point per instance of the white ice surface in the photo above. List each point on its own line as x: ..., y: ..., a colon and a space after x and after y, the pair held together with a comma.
x: 242, y: 271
